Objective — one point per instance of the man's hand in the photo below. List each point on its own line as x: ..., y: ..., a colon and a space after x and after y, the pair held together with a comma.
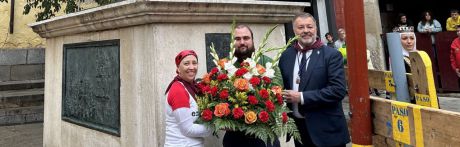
x: 291, y: 96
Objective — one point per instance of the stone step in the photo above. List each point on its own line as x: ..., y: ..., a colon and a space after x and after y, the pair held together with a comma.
x: 21, y: 98
x: 18, y: 85
x: 21, y: 115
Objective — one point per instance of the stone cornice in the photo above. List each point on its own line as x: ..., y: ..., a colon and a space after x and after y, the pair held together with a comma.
x: 130, y: 13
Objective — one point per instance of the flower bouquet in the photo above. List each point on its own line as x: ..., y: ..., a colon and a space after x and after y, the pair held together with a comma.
x: 245, y: 98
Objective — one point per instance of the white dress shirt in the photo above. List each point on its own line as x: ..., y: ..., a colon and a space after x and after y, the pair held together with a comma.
x: 295, y: 85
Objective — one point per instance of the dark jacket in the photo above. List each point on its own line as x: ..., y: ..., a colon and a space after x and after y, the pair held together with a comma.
x: 323, y: 89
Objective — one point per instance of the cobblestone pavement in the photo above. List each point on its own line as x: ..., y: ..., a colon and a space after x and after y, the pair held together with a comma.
x: 31, y: 135
x: 25, y: 135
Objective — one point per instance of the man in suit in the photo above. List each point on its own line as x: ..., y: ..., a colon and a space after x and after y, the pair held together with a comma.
x: 314, y: 79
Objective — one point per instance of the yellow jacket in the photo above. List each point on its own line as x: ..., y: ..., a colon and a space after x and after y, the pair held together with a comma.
x: 451, y: 24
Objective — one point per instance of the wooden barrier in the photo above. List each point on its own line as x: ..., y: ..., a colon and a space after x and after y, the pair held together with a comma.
x: 424, y: 44
x: 397, y: 122
x: 447, y: 75
x: 439, y: 127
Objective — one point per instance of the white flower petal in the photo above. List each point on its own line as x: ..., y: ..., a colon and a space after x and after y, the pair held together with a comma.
x: 270, y: 73
x: 247, y: 76
x: 255, y: 72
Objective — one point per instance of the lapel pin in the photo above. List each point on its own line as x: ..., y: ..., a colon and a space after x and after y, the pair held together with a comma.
x: 317, y: 52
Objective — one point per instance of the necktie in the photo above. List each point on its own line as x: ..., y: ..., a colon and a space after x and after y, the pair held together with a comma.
x: 303, y: 64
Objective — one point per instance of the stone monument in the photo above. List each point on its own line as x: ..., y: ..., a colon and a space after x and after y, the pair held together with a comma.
x: 107, y: 68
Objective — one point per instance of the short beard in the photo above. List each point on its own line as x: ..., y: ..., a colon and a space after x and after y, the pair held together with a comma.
x: 241, y: 56
x: 308, y: 43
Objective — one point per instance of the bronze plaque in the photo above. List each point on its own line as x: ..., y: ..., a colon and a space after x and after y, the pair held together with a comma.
x: 91, y: 85
x: 221, y: 45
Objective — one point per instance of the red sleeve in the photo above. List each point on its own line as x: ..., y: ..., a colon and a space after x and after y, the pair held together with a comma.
x: 178, y: 97
x: 455, y: 44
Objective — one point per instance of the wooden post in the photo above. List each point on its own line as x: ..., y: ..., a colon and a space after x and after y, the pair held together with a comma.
x: 357, y: 70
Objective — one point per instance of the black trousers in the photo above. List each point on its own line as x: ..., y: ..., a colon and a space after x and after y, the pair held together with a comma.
x: 239, y: 139
x: 305, y: 136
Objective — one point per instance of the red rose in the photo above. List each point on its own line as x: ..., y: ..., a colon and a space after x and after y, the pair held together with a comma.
x: 264, y: 93
x: 205, y: 89
x: 270, y: 106
x: 240, y: 72
x: 263, y: 116
x: 284, y: 117
x: 223, y: 94
x: 252, y: 100
x: 213, y: 71
x: 267, y: 80
x: 279, y: 98
x: 200, y: 87
x: 237, y: 113
x: 214, y: 91
x: 254, y: 81
x: 206, y: 115
x: 222, y: 77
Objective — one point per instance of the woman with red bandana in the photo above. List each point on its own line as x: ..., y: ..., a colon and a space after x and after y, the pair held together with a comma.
x: 181, y: 107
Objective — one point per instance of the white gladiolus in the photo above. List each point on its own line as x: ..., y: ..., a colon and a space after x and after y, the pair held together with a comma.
x: 230, y: 68
x: 252, y: 63
x: 270, y: 72
x: 247, y: 76
x: 254, y: 72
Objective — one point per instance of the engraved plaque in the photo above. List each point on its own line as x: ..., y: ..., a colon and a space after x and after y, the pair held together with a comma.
x: 91, y: 85
x: 221, y: 44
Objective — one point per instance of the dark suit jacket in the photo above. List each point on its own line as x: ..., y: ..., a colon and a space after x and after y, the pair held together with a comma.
x: 323, y: 88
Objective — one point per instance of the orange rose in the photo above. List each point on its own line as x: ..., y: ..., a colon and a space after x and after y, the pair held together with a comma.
x: 222, y: 62
x: 241, y: 84
x: 250, y: 117
x: 260, y: 69
x: 221, y: 110
x: 206, y: 78
x: 276, y: 89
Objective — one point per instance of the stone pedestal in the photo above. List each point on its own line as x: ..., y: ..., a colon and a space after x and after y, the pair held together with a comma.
x: 150, y: 34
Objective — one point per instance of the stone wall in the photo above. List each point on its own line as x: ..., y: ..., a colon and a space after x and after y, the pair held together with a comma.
x: 22, y: 36
x: 23, y: 64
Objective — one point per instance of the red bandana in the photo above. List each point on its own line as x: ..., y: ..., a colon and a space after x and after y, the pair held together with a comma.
x: 191, y: 87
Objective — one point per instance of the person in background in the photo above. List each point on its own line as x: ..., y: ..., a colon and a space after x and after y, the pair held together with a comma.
x: 453, y: 21
x: 429, y: 25
x: 403, y: 21
x: 330, y: 40
x: 181, y: 107
x: 455, y: 53
x: 341, y: 41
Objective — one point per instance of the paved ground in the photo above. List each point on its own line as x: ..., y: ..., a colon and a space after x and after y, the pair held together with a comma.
x: 30, y: 135
x: 26, y: 135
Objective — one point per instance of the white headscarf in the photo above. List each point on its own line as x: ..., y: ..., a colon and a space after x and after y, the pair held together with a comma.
x: 407, y: 32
